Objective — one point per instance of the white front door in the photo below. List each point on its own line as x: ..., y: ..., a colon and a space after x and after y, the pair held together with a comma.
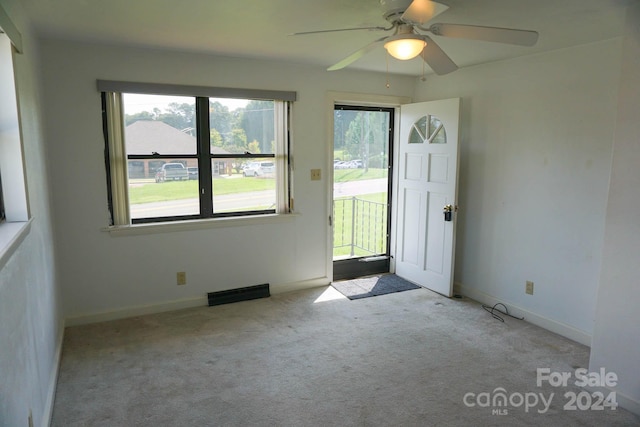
x: 427, y: 186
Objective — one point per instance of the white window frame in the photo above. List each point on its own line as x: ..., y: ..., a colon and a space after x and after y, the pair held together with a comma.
x: 16, y: 224
x: 117, y: 157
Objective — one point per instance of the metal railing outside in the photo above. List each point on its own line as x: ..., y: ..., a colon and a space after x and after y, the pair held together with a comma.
x: 360, y: 227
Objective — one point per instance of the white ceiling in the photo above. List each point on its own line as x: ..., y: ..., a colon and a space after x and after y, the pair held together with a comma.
x: 260, y: 28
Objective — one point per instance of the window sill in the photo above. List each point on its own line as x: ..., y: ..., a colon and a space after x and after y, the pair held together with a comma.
x: 12, y: 234
x: 198, y: 224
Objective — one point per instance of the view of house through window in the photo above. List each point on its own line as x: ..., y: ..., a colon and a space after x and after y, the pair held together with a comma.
x: 184, y: 163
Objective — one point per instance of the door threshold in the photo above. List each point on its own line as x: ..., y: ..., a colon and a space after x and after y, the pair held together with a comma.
x: 374, y: 258
x: 348, y: 269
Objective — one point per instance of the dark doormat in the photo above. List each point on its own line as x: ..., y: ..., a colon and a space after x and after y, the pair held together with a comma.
x: 373, y: 286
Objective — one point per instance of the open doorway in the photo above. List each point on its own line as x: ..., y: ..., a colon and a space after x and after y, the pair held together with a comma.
x: 361, y: 215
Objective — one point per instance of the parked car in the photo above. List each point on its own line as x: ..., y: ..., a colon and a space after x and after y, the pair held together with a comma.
x: 172, y: 172
x: 350, y: 164
x: 259, y: 169
x: 247, y: 165
x: 193, y: 172
x: 340, y: 165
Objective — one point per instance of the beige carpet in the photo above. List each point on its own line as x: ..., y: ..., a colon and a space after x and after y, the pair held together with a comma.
x: 315, y: 358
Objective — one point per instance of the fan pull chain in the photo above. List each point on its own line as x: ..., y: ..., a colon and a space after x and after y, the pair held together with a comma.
x: 386, y: 57
x: 423, y: 78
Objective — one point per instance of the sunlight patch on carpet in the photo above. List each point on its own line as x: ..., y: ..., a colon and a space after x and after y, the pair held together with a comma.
x: 330, y: 294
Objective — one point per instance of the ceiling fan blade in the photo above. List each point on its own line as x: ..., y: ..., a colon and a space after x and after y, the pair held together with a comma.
x: 356, y: 55
x: 490, y: 34
x: 421, y: 11
x: 341, y: 29
x: 435, y: 58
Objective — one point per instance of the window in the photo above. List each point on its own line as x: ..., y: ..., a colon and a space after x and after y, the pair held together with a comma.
x: 13, y: 194
x: 176, y: 157
x: 14, y: 209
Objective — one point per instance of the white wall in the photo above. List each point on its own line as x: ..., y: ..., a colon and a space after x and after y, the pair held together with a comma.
x: 101, y: 273
x: 535, y: 161
x: 30, y: 317
x: 616, y: 339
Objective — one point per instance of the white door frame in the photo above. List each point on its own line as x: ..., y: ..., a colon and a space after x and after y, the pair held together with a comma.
x: 349, y: 98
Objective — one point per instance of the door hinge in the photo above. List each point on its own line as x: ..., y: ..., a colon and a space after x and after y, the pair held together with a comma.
x: 330, y: 221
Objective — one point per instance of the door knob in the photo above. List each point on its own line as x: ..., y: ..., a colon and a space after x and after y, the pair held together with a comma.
x: 448, y: 209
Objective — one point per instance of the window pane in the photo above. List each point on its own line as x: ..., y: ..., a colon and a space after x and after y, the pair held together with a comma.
x: 164, y: 125
x: 360, y: 182
x: 437, y: 134
x: 241, y: 125
x: 172, y: 191
x: 156, y: 124
x: 246, y: 185
x: 419, y: 131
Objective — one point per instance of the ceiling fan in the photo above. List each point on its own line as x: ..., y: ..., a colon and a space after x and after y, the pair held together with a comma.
x: 407, y: 18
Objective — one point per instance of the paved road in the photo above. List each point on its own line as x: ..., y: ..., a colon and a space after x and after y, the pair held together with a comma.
x: 239, y: 201
x: 356, y: 188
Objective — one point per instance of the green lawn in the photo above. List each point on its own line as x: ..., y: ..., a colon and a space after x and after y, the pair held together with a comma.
x: 370, y: 225
x: 174, y: 190
x: 148, y: 192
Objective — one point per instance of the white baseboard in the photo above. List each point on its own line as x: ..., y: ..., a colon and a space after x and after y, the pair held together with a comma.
x: 136, y: 311
x: 140, y: 310
x: 47, y: 414
x: 544, y: 322
x: 298, y: 286
x: 623, y: 400
x: 628, y: 403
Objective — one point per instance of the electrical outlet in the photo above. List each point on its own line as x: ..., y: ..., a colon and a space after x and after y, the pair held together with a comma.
x: 181, y: 278
x: 529, y: 288
x: 315, y: 175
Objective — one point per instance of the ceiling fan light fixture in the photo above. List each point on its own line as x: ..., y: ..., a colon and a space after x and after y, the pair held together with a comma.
x: 405, y: 46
